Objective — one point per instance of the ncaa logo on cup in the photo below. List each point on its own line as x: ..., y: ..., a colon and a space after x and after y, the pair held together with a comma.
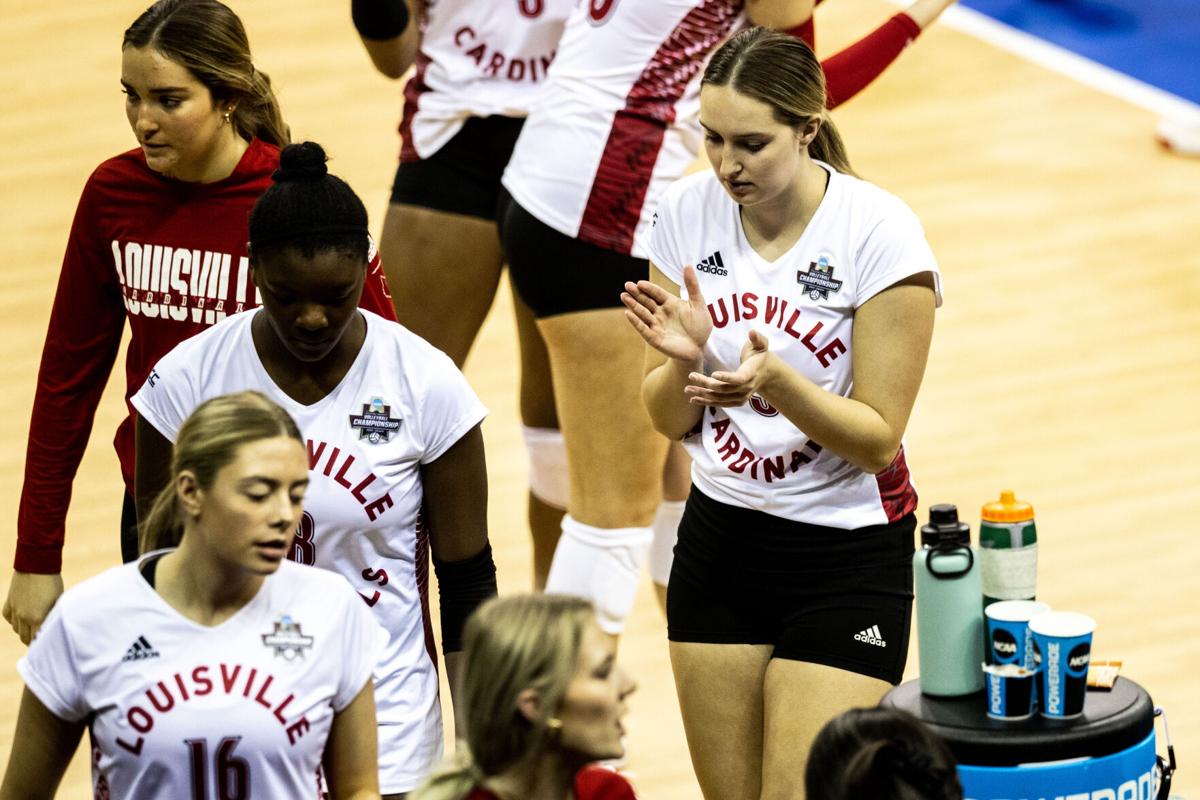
x: 1078, y: 659
x: 1004, y: 646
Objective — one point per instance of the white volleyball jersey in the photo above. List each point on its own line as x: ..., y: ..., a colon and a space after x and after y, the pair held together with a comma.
x: 477, y: 58
x: 183, y: 711
x: 618, y: 121
x: 860, y: 241
x: 402, y: 404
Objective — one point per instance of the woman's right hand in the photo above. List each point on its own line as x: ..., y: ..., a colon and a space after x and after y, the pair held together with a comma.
x: 30, y: 598
x: 675, y: 327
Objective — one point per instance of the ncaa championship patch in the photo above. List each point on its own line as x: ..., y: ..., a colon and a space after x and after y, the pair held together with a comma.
x: 818, y: 282
x: 376, y: 423
x: 287, y: 640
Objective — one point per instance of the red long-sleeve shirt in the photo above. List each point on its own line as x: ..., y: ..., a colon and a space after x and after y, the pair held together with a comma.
x: 171, y: 257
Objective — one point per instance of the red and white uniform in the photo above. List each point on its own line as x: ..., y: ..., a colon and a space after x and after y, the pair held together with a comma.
x: 181, y: 710
x: 860, y: 241
x: 402, y: 404
x: 477, y: 59
x: 171, y: 257
x: 619, y: 120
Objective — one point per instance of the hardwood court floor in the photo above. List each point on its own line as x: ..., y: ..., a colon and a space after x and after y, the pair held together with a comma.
x: 1064, y: 360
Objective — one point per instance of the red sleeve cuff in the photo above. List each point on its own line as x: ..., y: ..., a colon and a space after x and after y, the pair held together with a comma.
x: 40, y: 559
x: 909, y: 23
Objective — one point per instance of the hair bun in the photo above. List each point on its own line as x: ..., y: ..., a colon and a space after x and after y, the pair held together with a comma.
x: 301, y: 162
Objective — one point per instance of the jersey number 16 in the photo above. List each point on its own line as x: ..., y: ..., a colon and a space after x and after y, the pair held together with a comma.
x: 231, y: 774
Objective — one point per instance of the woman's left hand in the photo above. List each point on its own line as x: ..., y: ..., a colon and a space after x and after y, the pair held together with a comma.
x: 729, y: 389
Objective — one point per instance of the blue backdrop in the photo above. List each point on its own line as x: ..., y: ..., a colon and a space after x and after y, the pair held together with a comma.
x: 1155, y: 41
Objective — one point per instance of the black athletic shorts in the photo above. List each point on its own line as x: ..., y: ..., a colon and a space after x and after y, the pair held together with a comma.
x: 842, y: 598
x: 463, y: 177
x: 557, y: 274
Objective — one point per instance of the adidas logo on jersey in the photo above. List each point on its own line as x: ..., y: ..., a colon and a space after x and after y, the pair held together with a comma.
x: 871, y: 636
x: 713, y: 265
x: 140, y: 649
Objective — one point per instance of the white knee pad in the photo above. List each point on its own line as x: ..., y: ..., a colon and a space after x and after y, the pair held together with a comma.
x: 548, y: 480
x: 602, y: 565
x: 666, y: 532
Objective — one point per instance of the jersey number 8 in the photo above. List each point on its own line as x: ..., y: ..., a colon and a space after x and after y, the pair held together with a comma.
x: 304, y: 549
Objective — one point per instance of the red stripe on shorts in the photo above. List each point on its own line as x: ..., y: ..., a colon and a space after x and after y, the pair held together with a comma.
x: 614, y: 205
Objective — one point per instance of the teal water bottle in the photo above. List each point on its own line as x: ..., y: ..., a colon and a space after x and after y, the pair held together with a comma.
x: 949, y: 612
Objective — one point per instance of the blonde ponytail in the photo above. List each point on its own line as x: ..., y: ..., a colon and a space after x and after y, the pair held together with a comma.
x: 454, y: 780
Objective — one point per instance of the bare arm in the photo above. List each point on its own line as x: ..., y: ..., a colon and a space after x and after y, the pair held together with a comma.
x: 924, y: 12
x: 675, y: 331
x: 42, y: 747
x: 351, y: 762
x: 779, y: 14
x: 455, y: 510
x: 892, y: 332
x: 152, y: 470
x: 392, y: 55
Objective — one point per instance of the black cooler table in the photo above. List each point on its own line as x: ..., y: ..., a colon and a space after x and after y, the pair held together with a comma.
x: 1107, y: 753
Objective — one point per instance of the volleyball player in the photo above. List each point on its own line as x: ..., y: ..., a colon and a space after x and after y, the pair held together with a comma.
x: 159, y: 238
x: 613, y: 128
x: 212, y: 668
x: 789, y: 315
x: 479, y: 65
x: 395, y: 450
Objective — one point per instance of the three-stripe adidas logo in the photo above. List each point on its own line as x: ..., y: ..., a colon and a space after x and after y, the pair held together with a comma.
x: 871, y: 636
x: 713, y: 265
x: 139, y: 650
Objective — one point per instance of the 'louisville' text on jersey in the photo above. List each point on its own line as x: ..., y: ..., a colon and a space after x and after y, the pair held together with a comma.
x: 337, y: 465
x: 171, y: 282
x: 775, y: 310
x: 178, y: 689
x: 496, y: 64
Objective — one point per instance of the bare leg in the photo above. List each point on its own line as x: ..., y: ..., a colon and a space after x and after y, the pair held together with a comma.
x: 614, y: 455
x: 443, y: 269
x: 614, y: 460
x: 537, y: 411
x: 799, y: 698
x: 720, y: 689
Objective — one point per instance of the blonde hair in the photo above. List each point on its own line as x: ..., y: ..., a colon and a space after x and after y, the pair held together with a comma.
x: 783, y: 72
x: 510, y: 644
x: 208, y: 39
x: 209, y: 440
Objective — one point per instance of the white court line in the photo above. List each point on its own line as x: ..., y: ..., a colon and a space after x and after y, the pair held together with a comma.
x: 1067, y: 63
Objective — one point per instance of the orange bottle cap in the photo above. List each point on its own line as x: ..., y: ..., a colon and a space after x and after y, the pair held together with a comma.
x: 1007, y: 509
